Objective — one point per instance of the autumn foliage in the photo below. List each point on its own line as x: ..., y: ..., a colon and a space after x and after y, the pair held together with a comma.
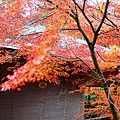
x: 62, y: 49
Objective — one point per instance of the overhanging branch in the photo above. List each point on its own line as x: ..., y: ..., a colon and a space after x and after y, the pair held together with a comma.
x: 70, y: 29
x: 76, y: 60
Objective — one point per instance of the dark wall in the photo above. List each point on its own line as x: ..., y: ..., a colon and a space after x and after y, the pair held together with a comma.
x: 34, y: 103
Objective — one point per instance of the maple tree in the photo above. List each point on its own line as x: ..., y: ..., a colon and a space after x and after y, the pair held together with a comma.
x: 57, y: 51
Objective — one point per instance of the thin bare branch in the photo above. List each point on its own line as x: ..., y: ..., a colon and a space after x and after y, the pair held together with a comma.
x: 98, y: 19
x: 82, y: 10
x: 104, y: 32
x: 91, y: 81
x: 79, y: 27
x: 82, y: 31
x: 109, y: 93
x: 76, y: 60
x: 112, y: 22
x: 104, y: 59
x: 37, y: 20
x: 83, y: 5
x: 70, y: 29
x: 101, y: 23
x: 70, y: 10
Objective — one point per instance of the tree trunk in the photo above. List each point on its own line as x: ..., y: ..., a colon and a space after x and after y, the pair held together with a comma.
x: 104, y: 84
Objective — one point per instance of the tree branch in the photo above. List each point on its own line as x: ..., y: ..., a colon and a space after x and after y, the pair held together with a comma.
x: 104, y: 32
x: 37, y: 20
x: 112, y: 22
x: 98, y: 19
x: 75, y: 17
x: 82, y: 10
x: 83, y: 5
x: 82, y: 31
x: 70, y: 29
x: 100, y: 25
x: 76, y: 60
x: 69, y: 14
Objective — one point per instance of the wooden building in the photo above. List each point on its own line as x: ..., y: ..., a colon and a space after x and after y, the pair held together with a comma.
x: 34, y: 103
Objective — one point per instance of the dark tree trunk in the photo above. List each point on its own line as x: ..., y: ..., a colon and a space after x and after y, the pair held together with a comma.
x: 104, y: 85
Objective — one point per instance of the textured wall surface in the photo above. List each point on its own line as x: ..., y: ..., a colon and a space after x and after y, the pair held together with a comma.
x: 34, y: 103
